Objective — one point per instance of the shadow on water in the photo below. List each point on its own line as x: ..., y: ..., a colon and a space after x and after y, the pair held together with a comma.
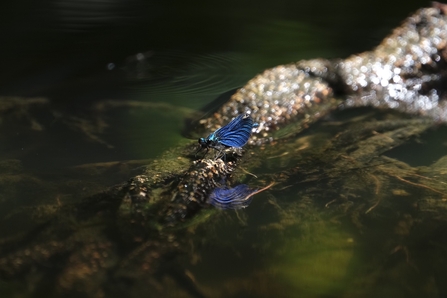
x: 191, y: 127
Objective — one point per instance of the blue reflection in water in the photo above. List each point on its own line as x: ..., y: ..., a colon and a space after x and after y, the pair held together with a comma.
x: 237, y: 197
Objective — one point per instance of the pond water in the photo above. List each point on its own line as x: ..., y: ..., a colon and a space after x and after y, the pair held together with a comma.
x: 77, y: 54
x: 91, y: 91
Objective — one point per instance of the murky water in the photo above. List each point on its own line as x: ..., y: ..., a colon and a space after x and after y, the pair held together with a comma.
x: 93, y: 90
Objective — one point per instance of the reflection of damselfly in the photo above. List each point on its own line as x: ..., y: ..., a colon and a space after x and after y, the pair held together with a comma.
x: 234, y: 134
x: 237, y: 197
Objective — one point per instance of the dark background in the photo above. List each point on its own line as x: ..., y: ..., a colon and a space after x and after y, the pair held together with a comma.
x: 48, y: 42
x: 77, y: 53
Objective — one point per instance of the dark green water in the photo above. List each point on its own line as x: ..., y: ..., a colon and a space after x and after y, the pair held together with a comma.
x: 116, y: 81
x: 191, y: 54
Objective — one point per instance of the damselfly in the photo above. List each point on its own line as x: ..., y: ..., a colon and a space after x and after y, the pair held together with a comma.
x: 234, y: 134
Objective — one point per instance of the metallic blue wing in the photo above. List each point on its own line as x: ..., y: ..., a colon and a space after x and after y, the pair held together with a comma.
x: 237, y: 197
x: 236, y: 133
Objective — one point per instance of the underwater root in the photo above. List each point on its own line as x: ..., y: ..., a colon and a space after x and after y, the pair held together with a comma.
x: 418, y: 185
x: 377, y: 189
